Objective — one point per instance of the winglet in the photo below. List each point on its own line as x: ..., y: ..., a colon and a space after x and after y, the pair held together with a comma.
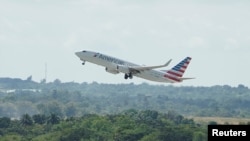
x: 167, y: 63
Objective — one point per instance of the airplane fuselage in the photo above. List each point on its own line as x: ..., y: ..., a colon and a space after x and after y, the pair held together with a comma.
x: 112, y: 62
x: 114, y: 65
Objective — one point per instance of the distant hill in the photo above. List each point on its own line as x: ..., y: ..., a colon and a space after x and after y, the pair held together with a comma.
x: 76, y: 99
x: 17, y: 83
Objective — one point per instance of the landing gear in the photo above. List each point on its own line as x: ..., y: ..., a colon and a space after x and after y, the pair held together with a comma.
x: 83, y: 63
x: 128, y: 75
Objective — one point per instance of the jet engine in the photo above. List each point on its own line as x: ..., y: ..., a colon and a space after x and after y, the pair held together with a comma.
x: 112, y: 70
x: 123, y: 69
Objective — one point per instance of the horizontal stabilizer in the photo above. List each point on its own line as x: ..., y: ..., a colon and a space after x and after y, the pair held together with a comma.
x: 183, y: 78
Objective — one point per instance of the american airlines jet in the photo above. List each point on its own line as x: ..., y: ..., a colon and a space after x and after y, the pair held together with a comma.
x: 114, y: 65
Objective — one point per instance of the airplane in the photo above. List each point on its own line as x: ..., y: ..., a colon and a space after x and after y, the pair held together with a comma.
x: 114, y: 65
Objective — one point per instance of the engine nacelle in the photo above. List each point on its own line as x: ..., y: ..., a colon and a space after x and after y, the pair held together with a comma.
x: 123, y: 69
x: 112, y: 70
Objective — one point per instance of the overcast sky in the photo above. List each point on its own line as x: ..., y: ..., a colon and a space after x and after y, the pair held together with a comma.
x: 215, y: 33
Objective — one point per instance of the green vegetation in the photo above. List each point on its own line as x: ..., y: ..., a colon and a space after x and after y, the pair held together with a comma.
x: 114, y: 112
x: 130, y: 125
x: 70, y: 99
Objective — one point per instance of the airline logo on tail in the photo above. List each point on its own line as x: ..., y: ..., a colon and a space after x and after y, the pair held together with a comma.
x: 176, y: 73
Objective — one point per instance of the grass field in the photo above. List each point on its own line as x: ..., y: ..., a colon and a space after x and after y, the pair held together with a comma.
x: 221, y: 120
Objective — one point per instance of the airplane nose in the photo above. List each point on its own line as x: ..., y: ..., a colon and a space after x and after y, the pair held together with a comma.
x: 78, y: 54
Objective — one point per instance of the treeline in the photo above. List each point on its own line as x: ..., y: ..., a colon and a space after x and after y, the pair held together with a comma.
x: 130, y: 125
x: 71, y: 99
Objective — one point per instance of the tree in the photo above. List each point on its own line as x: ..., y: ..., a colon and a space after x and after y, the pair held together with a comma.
x: 26, y: 120
x: 40, y: 119
x: 4, y: 122
x: 53, y: 119
x: 43, y: 81
x: 212, y: 123
x: 70, y: 110
x: 57, y: 81
x: 55, y: 107
x: 29, y: 78
x: 199, y: 136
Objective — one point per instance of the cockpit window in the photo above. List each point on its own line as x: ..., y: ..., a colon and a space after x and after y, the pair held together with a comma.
x: 84, y: 51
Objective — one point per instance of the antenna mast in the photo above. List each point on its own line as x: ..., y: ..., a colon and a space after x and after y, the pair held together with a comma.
x: 45, y: 78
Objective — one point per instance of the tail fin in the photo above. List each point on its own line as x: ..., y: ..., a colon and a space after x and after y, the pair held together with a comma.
x: 180, y: 68
x: 176, y: 73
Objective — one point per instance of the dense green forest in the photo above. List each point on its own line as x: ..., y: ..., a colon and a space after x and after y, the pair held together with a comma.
x: 129, y: 125
x: 70, y: 111
x: 70, y: 99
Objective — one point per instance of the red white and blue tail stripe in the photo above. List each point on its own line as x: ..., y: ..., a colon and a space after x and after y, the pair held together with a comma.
x: 176, y: 73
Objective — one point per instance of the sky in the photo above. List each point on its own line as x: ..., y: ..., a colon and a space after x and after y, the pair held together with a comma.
x: 39, y: 35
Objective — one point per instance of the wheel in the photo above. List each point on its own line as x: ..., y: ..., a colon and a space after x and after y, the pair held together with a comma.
x: 130, y: 75
x: 126, y: 76
x: 83, y: 63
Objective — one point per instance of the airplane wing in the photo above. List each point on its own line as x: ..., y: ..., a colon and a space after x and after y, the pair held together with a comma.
x: 137, y: 69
